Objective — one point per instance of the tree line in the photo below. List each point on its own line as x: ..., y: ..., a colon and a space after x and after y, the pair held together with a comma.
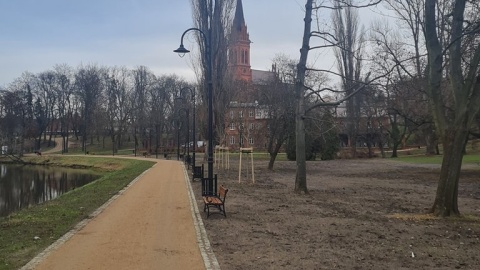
x: 90, y: 103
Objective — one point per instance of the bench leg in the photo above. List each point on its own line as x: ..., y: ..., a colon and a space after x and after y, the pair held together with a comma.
x: 221, y: 209
x: 208, y: 210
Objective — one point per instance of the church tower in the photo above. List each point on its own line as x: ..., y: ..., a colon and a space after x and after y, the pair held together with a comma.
x: 239, y: 49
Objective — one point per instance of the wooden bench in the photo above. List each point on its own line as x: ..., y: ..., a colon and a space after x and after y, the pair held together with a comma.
x: 216, y: 202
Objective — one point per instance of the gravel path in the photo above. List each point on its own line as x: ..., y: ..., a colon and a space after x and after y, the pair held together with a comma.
x: 148, y: 226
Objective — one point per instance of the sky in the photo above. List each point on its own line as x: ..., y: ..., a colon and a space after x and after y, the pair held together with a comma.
x: 35, y: 35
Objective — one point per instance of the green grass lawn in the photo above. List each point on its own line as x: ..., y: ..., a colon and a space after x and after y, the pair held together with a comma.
x: 467, y: 159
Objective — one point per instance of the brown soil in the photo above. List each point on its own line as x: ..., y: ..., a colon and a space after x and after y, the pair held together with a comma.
x: 360, y: 214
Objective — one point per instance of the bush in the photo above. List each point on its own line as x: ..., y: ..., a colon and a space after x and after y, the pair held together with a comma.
x: 321, y: 139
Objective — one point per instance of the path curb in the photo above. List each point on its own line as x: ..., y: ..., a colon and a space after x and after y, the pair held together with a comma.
x: 209, y: 257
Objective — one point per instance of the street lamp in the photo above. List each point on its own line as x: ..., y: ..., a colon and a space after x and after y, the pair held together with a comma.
x: 192, y: 93
x: 178, y: 137
x: 187, y: 111
x: 181, y: 50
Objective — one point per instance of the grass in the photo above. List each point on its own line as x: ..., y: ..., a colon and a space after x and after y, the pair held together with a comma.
x: 50, y: 220
x: 467, y: 159
x: 99, y: 149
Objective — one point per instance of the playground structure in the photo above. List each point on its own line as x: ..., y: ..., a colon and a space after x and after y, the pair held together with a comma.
x: 222, y: 157
x: 247, y: 151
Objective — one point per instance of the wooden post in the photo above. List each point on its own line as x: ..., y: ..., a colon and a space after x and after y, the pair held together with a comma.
x: 246, y: 151
x: 222, y: 157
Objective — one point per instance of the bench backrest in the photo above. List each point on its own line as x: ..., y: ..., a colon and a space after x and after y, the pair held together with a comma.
x: 222, y: 192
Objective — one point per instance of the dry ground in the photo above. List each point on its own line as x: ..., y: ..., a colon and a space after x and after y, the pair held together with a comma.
x: 360, y: 214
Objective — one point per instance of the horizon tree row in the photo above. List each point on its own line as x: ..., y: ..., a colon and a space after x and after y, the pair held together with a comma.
x: 91, y: 103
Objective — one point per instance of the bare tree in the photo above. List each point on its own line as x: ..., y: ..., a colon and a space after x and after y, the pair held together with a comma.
x: 119, y: 105
x: 142, y: 82
x: 88, y: 88
x: 348, y: 54
x: 162, y: 96
x: 403, y: 95
x: 277, y: 95
x: 46, y: 103
x: 304, y: 93
x: 412, y: 60
x: 64, y: 92
x: 16, y: 113
x: 455, y: 103
x: 213, y: 17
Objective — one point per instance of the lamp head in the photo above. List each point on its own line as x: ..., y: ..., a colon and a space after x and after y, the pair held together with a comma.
x: 181, y: 51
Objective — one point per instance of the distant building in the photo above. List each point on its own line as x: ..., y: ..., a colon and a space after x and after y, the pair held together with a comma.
x: 245, y: 118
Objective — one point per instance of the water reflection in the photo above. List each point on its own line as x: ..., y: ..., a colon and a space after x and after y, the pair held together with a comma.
x: 23, y: 186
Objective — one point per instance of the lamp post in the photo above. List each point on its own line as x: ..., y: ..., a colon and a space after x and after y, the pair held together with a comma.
x: 181, y: 50
x: 156, y: 140
x: 187, y: 112
x: 192, y: 93
x: 178, y: 138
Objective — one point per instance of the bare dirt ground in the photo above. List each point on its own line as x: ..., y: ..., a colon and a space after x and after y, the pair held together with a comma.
x: 360, y: 214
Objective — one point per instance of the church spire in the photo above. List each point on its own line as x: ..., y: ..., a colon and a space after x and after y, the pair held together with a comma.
x: 239, y: 20
x: 239, y: 47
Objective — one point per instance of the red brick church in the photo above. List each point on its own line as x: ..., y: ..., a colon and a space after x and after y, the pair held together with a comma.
x: 246, y: 119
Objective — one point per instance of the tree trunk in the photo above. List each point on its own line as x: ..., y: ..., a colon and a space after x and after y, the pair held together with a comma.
x: 453, y: 127
x: 395, y: 149
x: 301, y: 175
x: 274, y: 153
x: 273, y: 156
x: 301, y: 158
x: 446, y: 200
x: 430, y: 139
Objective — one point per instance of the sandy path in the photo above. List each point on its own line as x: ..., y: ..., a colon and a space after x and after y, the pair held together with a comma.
x: 57, y: 148
x: 150, y: 226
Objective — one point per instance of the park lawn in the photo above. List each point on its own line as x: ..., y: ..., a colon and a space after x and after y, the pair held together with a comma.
x: 51, y: 220
x: 467, y: 159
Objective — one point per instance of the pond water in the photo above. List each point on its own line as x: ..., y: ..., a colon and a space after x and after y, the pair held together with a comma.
x: 22, y: 186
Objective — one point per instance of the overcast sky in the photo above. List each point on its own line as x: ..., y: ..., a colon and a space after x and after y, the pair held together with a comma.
x: 37, y: 34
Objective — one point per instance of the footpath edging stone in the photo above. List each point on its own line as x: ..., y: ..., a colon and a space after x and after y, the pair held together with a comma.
x: 209, y: 257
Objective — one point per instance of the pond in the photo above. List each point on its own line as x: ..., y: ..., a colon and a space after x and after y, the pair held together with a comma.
x: 22, y: 186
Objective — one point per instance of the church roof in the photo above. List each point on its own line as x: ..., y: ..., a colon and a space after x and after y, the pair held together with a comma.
x: 262, y: 76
